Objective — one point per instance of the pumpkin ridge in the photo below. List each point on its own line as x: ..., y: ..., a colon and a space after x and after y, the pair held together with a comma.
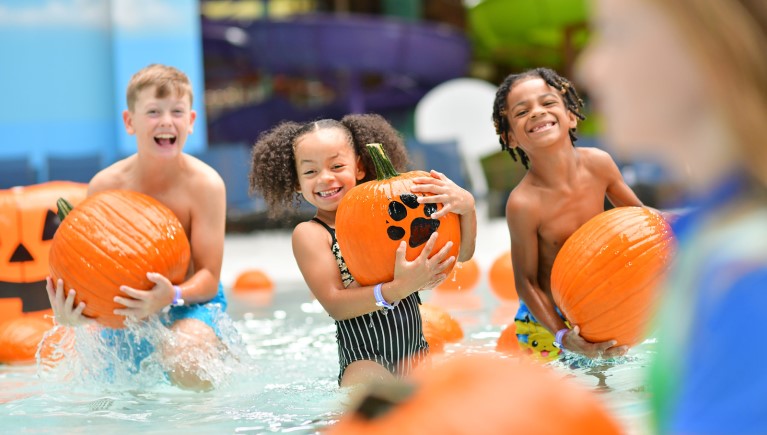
x: 72, y: 259
x: 575, y: 272
x: 586, y: 299
x: 81, y: 254
x: 132, y: 255
x: 146, y: 230
x: 580, y: 270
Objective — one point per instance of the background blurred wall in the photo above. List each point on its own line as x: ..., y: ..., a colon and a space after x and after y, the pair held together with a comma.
x: 65, y: 65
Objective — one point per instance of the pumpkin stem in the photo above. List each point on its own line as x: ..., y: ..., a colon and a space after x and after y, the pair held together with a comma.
x: 64, y: 207
x: 384, y: 168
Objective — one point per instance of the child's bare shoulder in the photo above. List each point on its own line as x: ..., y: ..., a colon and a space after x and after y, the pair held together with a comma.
x: 595, y: 156
x: 523, y: 203
x: 114, y: 176
x: 202, y: 177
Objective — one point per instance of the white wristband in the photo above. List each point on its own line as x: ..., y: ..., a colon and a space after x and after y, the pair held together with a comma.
x: 380, y: 301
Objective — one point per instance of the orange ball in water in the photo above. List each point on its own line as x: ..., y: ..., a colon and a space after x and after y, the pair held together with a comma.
x: 463, y: 277
x: 19, y: 338
x: 439, y: 326
x: 501, y: 278
x: 253, y: 280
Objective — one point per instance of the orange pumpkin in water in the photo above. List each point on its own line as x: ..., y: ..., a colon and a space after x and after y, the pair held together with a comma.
x: 28, y: 222
x: 463, y: 278
x: 439, y: 327
x: 469, y: 394
x: 19, y: 338
x: 606, y: 277
x: 375, y: 216
x: 114, y: 238
x: 253, y: 280
x: 501, y: 278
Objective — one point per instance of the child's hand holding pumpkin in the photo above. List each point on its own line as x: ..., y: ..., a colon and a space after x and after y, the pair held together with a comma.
x: 425, y: 271
x: 140, y: 304
x: 443, y: 191
x: 64, y: 311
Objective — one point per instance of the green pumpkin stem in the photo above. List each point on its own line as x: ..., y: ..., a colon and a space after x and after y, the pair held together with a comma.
x: 384, y: 168
x: 64, y: 207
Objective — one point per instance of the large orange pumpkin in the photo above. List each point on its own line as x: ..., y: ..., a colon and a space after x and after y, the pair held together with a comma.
x: 28, y: 222
x: 114, y: 238
x: 375, y: 216
x: 468, y: 394
x: 606, y: 277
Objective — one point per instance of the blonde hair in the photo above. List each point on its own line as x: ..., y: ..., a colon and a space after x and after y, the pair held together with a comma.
x: 730, y: 37
x: 165, y: 79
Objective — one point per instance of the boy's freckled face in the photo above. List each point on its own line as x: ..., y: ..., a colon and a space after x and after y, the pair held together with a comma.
x: 160, y: 124
x: 537, y: 114
x: 327, y: 167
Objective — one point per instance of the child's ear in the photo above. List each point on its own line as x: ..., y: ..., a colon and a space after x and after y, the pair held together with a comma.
x: 509, y: 140
x: 192, y: 117
x: 360, y: 169
x: 128, y: 121
x: 572, y: 120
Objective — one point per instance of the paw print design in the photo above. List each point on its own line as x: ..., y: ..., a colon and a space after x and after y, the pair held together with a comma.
x: 421, y: 227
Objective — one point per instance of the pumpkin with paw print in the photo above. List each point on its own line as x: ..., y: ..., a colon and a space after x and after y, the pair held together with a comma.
x: 374, y: 217
x: 114, y: 238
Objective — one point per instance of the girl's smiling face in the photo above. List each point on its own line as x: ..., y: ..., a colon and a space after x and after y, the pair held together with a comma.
x: 537, y: 115
x: 327, y: 167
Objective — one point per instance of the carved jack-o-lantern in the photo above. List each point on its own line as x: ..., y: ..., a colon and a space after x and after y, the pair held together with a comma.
x: 374, y: 217
x: 28, y: 222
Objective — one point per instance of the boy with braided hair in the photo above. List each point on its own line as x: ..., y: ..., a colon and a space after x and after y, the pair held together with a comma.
x: 535, y: 114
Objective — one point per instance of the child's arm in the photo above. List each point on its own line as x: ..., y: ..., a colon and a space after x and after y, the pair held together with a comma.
x: 454, y: 199
x: 522, y: 217
x: 618, y: 192
x: 311, y: 248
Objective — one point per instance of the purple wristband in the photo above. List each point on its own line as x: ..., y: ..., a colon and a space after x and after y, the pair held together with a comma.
x: 559, y: 336
x: 177, y: 299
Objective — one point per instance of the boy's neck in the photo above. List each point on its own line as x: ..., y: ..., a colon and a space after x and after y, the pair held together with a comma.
x: 555, y: 165
x: 157, y: 174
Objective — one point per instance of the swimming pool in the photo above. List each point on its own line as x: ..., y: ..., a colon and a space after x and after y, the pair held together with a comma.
x: 286, y: 385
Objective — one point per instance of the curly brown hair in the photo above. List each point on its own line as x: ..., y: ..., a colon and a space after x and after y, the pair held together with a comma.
x: 273, y: 172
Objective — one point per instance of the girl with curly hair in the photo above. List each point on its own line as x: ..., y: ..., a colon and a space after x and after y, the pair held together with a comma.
x: 322, y: 161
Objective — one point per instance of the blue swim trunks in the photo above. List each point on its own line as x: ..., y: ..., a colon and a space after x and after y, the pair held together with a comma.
x: 132, y: 348
x: 533, y: 337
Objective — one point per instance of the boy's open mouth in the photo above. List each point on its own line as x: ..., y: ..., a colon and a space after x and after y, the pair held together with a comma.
x: 329, y: 192
x: 543, y: 126
x: 165, y: 139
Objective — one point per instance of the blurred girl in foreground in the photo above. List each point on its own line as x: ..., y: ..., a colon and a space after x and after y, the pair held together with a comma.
x: 685, y: 81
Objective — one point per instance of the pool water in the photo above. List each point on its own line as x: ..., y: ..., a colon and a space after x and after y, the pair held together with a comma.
x: 283, y: 381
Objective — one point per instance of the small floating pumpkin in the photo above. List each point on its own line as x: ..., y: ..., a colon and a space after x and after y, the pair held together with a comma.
x: 464, y: 277
x: 253, y: 280
x: 19, y: 338
x: 375, y: 216
x: 606, y: 277
x: 439, y: 327
x: 501, y: 278
x: 114, y: 238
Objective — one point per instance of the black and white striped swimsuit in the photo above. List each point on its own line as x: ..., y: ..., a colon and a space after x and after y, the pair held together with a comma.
x: 392, y: 338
